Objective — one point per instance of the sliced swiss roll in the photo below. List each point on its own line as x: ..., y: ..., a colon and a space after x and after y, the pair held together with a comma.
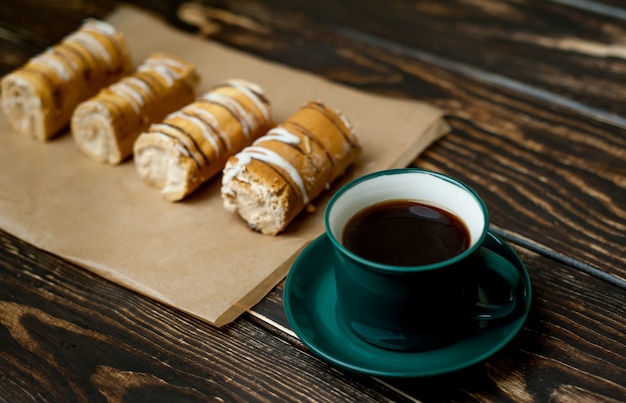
x: 39, y: 97
x: 106, y: 126
x: 191, y: 145
x: 269, y: 183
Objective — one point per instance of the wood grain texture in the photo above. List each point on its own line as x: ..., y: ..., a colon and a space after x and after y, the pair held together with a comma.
x: 87, y: 339
x: 528, y: 42
x: 534, y: 94
x: 573, y: 341
x: 548, y: 170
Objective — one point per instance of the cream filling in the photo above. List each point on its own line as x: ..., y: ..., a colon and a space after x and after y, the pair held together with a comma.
x: 22, y: 107
x: 93, y: 133
x: 256, y: 205
x: 159, y: 165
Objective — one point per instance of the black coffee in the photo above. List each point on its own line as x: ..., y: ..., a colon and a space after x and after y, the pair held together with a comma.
x: 405, y: 233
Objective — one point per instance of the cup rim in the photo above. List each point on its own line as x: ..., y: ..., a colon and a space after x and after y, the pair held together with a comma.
x: 405, y: 269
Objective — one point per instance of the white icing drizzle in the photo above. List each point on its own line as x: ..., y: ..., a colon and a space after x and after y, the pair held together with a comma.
x: 346, y: 123
x: 107, y: 30
x: 92, y: 45
x: 48, y: 59
x: 200, y: 125
x: 162, y: 70
x: 167, y: 138
x: 123, y: 89
x: 100, y: 26
x: 64, y: 58
x: 209, y: 117
x: 247, y: 123
x: 279, y: 134
x: 245, y: 89
x: 250, y: 85
x: 184, y: 139
x: 139, y: 83
x: 268, y: 156
x: 168, y: 61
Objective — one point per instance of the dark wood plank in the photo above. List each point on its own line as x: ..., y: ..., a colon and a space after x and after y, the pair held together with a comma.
x: 83, y: 338
x: 609, y: 8
x: 558, y: 174
x: 558, y: 179
x: 572, y: 343
x: 26, y: 28
x: 539, y: 185
x: 528, y: 42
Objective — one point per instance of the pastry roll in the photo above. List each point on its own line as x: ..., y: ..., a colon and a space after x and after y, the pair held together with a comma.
x: 39, y: 98
x: 270, y: 182
x: 192, y: 145
x: 106, y: 126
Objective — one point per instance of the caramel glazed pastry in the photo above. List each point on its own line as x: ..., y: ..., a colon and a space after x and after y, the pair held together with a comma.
x: 39, y: 98
x: 106, y: 126
x: 192, y: 145
x: 269, y: 183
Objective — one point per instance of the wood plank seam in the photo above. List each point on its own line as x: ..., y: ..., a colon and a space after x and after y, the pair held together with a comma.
x: 595, y: 7
x: 291, y: 333
x: 485, y: 77
x: 559, y: 257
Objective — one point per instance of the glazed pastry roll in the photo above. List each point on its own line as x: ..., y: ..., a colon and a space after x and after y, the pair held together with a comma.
x: 106, y: 126
x: 270, y: 182
x: 191, y: 145
x: 39, y: 98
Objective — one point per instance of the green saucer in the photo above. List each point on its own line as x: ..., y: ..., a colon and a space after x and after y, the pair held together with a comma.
x: 310, y: 298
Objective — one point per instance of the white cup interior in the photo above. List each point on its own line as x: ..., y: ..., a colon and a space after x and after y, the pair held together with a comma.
x: 417, y: 186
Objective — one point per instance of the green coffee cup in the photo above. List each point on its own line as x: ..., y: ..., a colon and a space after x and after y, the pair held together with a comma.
x: 404, y: 281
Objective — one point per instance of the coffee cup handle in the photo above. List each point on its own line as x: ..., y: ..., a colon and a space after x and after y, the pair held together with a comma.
x: 511, y: 274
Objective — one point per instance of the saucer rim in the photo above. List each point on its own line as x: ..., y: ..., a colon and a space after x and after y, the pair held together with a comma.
x: 326, y: 355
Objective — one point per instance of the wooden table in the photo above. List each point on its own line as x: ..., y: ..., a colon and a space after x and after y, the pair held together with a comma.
x: 535, y: 95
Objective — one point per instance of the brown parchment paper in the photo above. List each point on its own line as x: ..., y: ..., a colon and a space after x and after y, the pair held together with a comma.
x: 192, y: 255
